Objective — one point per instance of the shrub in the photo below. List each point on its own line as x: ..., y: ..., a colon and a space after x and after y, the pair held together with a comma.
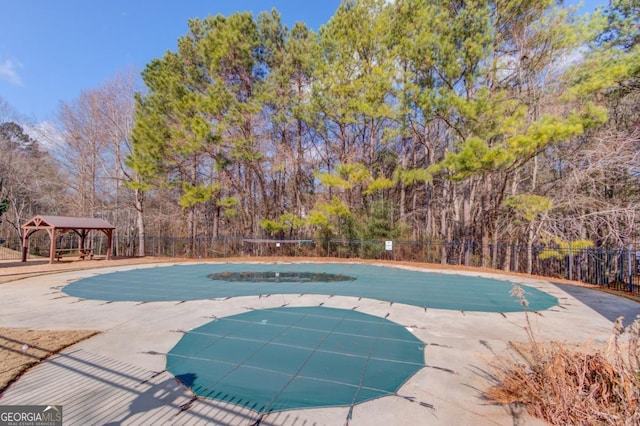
x: 572, y: 385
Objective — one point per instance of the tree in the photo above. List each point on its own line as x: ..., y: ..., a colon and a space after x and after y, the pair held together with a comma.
x: 85, y: 142
x: 171, y: 135
x: 31, y: 183
x: 353, y: 81
x: 450, y: 120
x: 116, y: 113
x: 290, y: 58
x: 96, y: 128
x: 195, y: 126
x: 595, y: 177
x: 494, y: 132
x: 4, y: 201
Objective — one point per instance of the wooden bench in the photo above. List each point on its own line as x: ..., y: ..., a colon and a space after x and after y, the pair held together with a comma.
x: 87, y: 252
x: 82, y: 253
x: 60, y: 252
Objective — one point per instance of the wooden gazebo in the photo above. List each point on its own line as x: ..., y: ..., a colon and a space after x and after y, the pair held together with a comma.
x: 58, y: 225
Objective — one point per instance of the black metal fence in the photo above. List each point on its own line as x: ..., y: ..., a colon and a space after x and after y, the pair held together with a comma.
x: 612, y: 268
x: 39, y: 246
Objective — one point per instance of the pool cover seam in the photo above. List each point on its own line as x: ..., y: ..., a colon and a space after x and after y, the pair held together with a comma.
x: 296, y: 374
x: 211, y: 386
x: 277, y: 312
x: 324, y: 351
x: 341, y: 333
x: 214, y: 341
x: 362, y: 373
x: 299, y: 376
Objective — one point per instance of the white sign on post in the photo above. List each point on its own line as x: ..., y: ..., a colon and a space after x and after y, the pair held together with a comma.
x: 388, y: 245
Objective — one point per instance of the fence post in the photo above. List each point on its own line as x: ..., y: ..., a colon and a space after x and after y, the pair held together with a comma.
x: 630, y: 257
x: 467, y: 253
x: 570, y: 262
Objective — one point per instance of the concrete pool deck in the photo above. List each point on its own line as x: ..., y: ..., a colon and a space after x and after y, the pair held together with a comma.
x: 118, y: 377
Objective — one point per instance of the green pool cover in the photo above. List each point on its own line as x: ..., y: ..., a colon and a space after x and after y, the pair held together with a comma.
x: 288, y: 358
x: 423, y: 289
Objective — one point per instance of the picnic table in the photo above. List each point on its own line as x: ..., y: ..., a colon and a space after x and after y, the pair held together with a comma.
x: 82, y: 253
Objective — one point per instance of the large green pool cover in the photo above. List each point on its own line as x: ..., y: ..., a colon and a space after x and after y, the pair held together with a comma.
x: 423, y: 289
x: 287, y: 358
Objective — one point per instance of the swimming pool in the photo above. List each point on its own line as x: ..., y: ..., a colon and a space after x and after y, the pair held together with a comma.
x: 417, y: 288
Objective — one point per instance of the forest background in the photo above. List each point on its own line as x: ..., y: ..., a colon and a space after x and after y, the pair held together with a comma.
x: 471, y: 122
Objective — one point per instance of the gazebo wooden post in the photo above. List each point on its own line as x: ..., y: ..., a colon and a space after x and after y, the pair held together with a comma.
x: 52, y: 245
x: 83, y: 235
x: 109, y: 233
x: 25, y: 244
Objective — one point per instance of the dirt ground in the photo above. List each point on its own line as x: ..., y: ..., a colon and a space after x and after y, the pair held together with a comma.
x: 11, y: 270
x: 20, y: 349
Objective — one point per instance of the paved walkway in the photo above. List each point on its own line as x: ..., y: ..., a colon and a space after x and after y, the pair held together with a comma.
x: 608, y: 305
x: 118, y: 377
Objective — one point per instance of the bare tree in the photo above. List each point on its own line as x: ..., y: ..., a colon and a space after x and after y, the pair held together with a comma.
x: 595, y: 189
x: 116, y: 106
x: 96, y: 127
x: 30, y: 180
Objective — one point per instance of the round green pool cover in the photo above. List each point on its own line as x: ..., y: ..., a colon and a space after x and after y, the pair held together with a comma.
x: 418, y: 288
x: 287, y: 358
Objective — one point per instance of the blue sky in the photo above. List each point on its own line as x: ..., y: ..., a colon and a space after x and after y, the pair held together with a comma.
x: 52, y: 50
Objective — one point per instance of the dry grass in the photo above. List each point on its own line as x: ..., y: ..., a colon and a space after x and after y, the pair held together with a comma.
x: 572, y: 385
x: 21, y: 349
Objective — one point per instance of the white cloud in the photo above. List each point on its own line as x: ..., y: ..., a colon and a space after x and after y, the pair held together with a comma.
x: 570, y: 59
x: 9, y: 72
x: 50, y: 136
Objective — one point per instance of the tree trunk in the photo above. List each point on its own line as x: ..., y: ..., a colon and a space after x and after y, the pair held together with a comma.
x: 506, y: 265
x: 494, y: 233
x: 486, y: 249
x: 139, y: 199
x: 191, y: 229
x: 216, y: 222
x: 530, y: 252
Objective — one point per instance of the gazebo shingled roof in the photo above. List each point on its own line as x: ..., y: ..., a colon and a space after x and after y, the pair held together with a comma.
x: 61, y: 224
